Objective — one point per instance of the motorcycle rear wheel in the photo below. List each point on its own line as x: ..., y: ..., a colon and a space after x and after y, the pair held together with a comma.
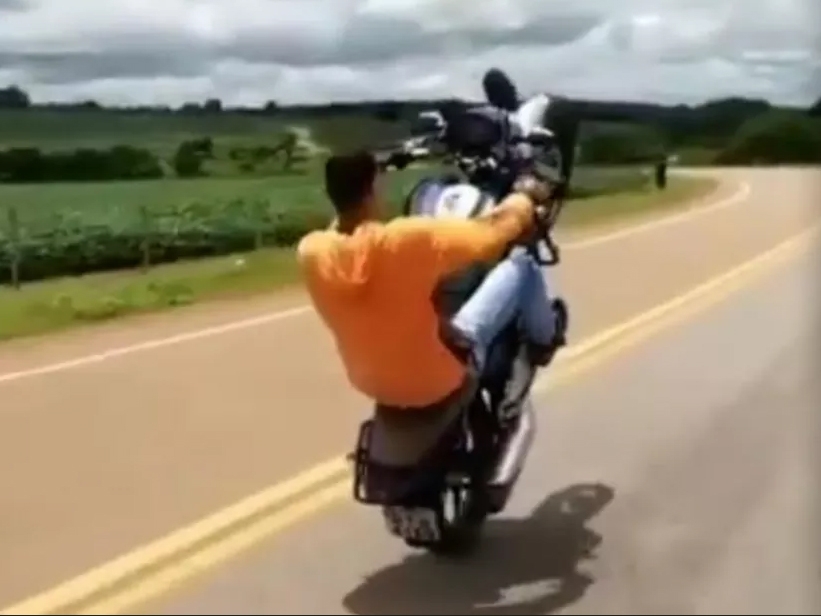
x: 464, y: 512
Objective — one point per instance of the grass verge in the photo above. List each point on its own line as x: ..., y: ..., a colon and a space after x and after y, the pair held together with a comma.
x: 623, y: 206
x: 57, y: 304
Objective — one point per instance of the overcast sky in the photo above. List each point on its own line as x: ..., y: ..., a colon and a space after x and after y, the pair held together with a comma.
x: 250, y: 51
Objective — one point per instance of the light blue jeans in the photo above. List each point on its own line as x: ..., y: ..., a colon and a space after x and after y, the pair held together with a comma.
x: 514, y: 288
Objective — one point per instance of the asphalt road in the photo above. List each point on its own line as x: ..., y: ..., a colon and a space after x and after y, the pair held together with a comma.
x: 113, y: 436
x: 677, y: 479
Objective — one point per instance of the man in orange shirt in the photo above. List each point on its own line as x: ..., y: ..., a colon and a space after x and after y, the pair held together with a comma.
x: 373, y: 283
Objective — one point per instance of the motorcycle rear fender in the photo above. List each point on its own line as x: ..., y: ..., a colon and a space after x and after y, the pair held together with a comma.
x: 402, y: 453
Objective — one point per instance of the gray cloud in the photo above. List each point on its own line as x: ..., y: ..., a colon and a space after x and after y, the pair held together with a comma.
x: 14, y: 5
x: 363, y: 40
x: 252, y: 50
x: 67, y: 68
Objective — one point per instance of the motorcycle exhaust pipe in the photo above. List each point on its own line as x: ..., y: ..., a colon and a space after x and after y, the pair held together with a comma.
x: 512, y: 458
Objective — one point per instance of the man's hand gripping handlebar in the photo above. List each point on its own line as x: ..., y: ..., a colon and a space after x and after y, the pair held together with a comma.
x: 547, y: 206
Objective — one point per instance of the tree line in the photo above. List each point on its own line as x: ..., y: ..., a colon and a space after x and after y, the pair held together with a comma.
x: 710, y: 122
x: 772, y: 136
x: 728, y: 131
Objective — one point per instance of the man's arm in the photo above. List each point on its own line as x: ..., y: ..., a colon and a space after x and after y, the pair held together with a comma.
x: 446, y: 245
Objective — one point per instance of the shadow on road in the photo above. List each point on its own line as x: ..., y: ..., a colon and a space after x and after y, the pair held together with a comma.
x: 524, y: 566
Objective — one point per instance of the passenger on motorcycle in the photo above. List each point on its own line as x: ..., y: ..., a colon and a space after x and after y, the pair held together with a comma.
x: 372, y: 284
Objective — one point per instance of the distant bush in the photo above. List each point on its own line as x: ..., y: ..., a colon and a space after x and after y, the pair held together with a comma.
x: 122, y: 162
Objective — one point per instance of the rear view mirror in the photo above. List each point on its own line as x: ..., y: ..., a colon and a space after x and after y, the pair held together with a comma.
x: 428, y: 123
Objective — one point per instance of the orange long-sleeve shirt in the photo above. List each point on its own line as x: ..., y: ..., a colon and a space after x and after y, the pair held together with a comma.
x: 373, y: 288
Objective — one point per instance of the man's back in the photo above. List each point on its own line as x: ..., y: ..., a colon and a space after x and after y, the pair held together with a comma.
x: 373, y: 289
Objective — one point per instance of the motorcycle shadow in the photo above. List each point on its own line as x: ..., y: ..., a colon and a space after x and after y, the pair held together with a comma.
x: 522, y: 566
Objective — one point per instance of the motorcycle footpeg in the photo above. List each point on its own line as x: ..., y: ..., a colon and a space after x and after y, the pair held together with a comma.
x: 542, y: 355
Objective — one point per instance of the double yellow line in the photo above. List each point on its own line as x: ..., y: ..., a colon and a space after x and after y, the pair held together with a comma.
x: 152, y: 570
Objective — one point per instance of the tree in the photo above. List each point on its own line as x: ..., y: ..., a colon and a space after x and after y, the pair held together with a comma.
x: 778, y: 137
x: 212, y: 105
x: 288, y: 148
x: 14, y: 98
x: 815, y: 110
x: 622, y: 144
x: 190, y: 108
x: 187, y: 161
x: 204, y: 146
x: 389, y: 111
x: 89, y: 105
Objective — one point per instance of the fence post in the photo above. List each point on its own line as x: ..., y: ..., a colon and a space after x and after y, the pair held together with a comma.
x: 145, y: 246
x: 14, y: 237
x: 274, y: 214
x: 258, y: 210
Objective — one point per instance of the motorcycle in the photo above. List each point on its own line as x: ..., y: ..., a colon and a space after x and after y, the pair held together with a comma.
x: 438, y: 473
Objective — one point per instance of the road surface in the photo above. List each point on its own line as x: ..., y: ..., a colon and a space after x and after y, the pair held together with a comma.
x: 108, y: 441
x: 676, y: 480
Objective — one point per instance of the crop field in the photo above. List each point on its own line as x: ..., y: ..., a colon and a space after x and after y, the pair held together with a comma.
x: 51, y: 129
x: 161, y: 133
x: 49, y: 230
x: 58, y: 229
x: 285, y: 192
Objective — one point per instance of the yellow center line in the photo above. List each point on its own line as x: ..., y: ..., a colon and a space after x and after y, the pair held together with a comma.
x: 157, y: 568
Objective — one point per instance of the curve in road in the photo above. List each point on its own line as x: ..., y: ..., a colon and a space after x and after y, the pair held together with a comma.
x: 132, y: 446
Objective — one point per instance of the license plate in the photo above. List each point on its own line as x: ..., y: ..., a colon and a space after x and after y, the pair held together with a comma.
x: 413, y: 523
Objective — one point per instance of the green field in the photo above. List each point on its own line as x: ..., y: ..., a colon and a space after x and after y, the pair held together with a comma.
x: 99, y: 199
x: 94, y: 199
x: 49, y: 230
x: 56, y: 129
x: 66, y: 302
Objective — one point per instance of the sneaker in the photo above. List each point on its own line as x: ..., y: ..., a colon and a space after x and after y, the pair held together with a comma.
x: 542, y: 354
x: 562, y: 315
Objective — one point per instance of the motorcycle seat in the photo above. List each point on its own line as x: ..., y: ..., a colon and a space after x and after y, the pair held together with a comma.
x: 402, y: 437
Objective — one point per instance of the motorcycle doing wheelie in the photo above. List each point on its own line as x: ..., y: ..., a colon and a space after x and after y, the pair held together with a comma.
x: 439, y: 472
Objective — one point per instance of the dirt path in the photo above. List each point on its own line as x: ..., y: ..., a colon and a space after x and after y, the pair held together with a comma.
x: 305, y: 138
x: 100, y: 456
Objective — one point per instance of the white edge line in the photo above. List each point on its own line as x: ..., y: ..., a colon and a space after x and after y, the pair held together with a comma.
x: 108, y: 575
x: 157, y: 343
x: 739, y: 195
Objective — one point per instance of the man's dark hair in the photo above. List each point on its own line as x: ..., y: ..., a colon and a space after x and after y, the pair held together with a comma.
x: 349, y: 179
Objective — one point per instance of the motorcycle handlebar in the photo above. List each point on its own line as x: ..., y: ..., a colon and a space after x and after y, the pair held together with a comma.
x: 398, y: 159
x: 406, y: 153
